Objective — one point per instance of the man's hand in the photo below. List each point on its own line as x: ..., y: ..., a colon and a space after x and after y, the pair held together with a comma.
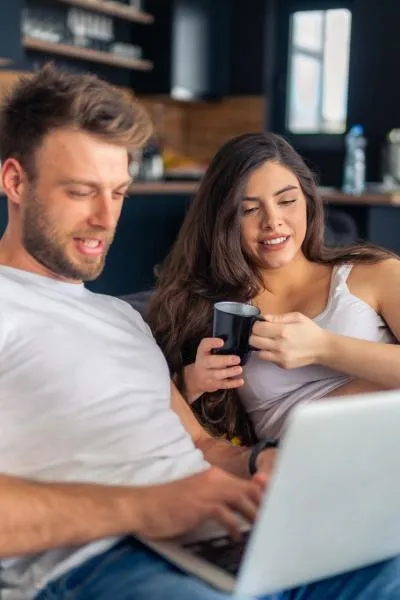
x: 39, y: 516
x: 172, y: 509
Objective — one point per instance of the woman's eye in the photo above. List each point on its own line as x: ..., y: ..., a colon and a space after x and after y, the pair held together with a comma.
x: 248, y: 211
x: 285, y: 202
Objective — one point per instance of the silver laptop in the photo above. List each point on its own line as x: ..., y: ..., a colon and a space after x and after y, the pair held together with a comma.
x: 333, y: 504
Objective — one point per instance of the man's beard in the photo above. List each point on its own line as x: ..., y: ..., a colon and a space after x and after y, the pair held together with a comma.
x: 47, y: 243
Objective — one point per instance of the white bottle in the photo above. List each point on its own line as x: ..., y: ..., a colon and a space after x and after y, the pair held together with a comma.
x: 354, y: 166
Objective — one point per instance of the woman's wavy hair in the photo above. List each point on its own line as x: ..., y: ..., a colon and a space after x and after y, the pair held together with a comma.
x: 207, y: 263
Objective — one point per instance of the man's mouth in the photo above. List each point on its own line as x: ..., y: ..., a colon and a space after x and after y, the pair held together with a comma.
x: 90, y: 246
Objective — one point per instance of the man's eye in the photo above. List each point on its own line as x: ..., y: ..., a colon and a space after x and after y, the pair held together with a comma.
x: 77, y: 194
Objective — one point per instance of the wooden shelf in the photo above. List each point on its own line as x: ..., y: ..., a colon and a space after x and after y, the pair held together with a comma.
x: 329, y: 197
x: 367, y: 198
x: 189, y: 188
x: 184, y: 188
x: 87, y: 54
x: 113, y: 9
x: 164, y: 187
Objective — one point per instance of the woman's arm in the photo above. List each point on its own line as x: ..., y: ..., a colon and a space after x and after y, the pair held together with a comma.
x: 375, y: 362
x: 210, y: 372
x: 219, y: 452
x: 293, y: 340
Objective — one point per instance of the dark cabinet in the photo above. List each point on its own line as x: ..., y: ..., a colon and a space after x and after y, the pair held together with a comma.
x: 189, y: 47
x: 200, y: 49
x: 206, y: 49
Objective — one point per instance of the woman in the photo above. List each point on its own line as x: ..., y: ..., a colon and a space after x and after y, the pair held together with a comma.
x: 254, y: 233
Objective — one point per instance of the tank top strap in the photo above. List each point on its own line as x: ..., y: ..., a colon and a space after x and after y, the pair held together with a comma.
x: 342, y: 273
x: 339, y: 277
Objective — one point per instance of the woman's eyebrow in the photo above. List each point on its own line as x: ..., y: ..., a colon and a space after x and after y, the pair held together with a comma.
x: 287, y: 188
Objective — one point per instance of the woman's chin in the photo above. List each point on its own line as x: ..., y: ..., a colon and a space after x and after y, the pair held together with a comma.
x: 278, y: 259
x: 273, y: 265
x: 275, y: 261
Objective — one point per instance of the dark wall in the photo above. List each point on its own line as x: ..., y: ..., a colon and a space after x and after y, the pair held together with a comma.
x: 374, y: 94
x: 146, y: 231
x: 248, y: 47
x: 10, y: 16
x: 157, y: 40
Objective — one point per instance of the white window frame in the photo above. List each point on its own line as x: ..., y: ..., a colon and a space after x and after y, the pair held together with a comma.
x: 318, y: 56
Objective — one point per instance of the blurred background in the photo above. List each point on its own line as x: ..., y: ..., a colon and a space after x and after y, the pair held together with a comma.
x: 322, y: 73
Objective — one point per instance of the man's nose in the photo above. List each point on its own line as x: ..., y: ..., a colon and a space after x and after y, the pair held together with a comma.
x: 103, y: 214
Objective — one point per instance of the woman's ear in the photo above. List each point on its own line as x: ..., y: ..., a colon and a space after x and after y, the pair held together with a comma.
x: 13, y: 180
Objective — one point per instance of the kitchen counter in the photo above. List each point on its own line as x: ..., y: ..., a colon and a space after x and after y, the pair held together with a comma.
x: 164, y: 187
x: 185, y: 188
x: 153, y: 214
x: 332, y: 196
x: 329, y: 195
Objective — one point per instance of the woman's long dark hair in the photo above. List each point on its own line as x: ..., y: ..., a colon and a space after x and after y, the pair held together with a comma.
x: 207, y: 264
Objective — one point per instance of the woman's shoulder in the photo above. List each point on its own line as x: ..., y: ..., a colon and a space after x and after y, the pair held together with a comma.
x: 367, y: 280
x: 371, y: 272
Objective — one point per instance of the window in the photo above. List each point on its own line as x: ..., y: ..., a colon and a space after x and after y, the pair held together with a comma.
x: 318, y: 71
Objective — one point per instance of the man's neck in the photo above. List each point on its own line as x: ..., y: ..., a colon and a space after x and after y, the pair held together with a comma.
x: 13, y: 254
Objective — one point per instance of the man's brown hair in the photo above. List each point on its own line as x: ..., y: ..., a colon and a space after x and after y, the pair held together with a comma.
x: 51, y: 99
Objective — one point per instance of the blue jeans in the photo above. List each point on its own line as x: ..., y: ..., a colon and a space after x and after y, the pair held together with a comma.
x: 130, y: 571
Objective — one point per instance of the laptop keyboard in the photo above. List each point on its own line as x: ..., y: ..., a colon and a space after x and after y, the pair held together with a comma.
x: 223, y: 552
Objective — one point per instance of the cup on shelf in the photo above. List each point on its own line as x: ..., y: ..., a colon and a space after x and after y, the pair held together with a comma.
x: 136, y: 4
x: 42, y: 23
x: 126, y: 50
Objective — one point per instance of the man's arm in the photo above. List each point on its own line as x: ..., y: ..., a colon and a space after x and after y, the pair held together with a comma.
x: 218, y: 452
x: 35, y: 516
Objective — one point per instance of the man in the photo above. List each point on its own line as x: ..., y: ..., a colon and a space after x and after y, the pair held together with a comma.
x: 90, y: 449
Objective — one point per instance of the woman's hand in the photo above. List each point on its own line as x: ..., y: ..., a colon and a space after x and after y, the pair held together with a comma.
x: 211, y: 372
x: 290, y: 341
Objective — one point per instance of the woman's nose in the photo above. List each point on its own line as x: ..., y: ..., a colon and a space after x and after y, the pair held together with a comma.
x: 271, y: 219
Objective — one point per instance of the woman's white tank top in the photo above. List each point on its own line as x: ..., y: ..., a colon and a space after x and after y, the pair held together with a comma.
x: 270, y: 391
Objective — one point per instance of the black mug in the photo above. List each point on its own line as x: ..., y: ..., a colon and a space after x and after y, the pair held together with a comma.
x: 233, y: 322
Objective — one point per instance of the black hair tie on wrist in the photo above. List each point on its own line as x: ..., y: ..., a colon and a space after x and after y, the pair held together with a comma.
x: 257, y: 449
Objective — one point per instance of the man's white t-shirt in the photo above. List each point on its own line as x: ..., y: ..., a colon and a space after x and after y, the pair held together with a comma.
x: 84, y: 397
